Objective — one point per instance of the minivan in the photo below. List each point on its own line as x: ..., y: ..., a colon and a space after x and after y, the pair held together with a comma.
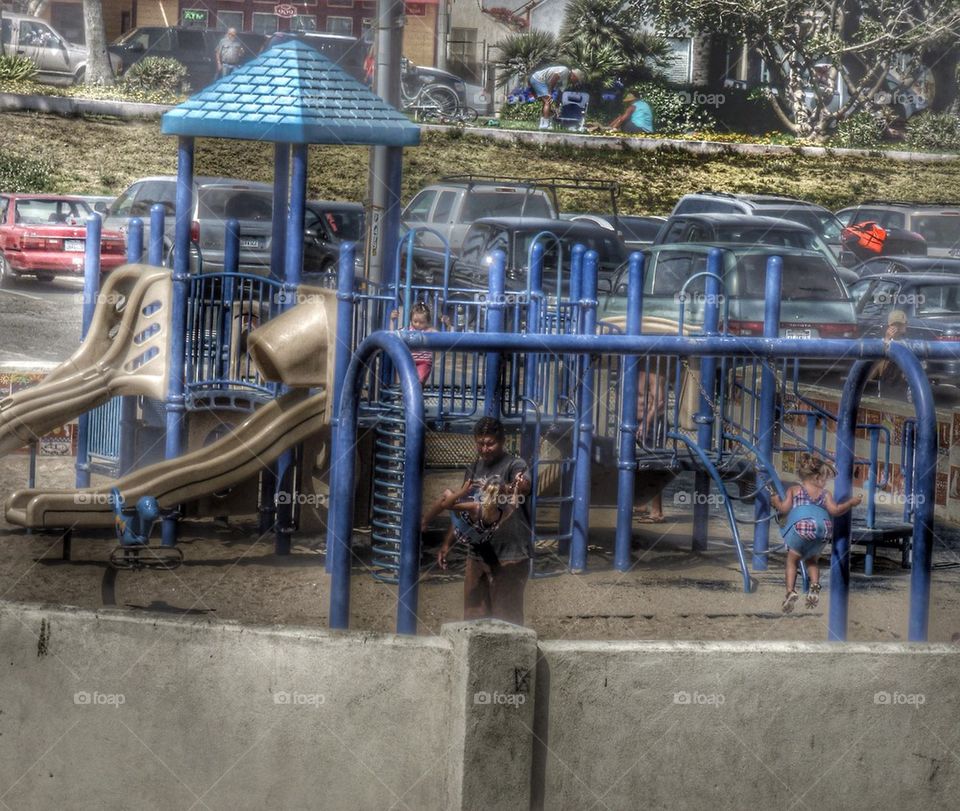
x: 57, y: 61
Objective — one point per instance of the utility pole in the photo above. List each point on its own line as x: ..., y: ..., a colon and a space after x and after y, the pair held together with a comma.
x: 386, y: 161
x: 443, y: 26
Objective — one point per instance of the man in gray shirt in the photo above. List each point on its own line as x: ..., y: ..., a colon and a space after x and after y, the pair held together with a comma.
x: 490, y: 516
x: 230, y: 52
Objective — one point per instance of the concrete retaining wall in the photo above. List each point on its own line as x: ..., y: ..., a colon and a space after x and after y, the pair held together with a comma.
x: 116, y: 710
x: 741, y: 725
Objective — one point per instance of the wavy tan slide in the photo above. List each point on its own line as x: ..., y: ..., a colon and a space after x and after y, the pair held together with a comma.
x: 124, y: 353
x: 295, y: 349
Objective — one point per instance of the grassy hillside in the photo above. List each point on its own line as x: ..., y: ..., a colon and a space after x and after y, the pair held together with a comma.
x: 101, y: 156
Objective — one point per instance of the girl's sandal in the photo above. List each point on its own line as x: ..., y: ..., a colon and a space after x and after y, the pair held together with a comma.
x: 790, y: 601
x: 813, y: 596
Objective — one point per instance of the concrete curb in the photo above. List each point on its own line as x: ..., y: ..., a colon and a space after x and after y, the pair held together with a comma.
x: 623, y: 144
x: 61, y: 105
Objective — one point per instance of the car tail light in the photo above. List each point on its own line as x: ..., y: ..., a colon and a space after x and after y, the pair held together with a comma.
x: 112, y: 246
x: 195, y: 231
x: 949, y: 337
x: 40, y: 244
x: 837, y: 330
x: 745, y: 328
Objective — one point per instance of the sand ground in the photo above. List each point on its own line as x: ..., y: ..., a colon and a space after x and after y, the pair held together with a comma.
x: 670, y: 592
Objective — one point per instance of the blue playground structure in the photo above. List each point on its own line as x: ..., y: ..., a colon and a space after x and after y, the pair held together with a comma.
x: 575, y: 392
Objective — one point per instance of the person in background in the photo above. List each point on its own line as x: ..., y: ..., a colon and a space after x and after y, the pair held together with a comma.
x: 547, y: 81
x: 886, y: 373
x: 496, y: 531
x: 638, y: 117
x: 422, y: 321
x: 229, y: 53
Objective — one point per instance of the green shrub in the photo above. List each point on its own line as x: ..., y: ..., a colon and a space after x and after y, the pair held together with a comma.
x: 860, y: 131
x: 937, y: 132
x: 156, y: 73
x: 521, y: 111
x: 16, y: 68
x: 19, y: 173
x: 673, y: 110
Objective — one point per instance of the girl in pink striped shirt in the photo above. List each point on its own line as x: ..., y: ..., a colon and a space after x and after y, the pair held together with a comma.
x: 421, y: 320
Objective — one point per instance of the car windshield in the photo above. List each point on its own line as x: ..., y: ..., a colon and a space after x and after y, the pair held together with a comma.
x: 608, y: 249
x: 505, y: 204
x: 804, y: 278
x: 638, y: 229
x: 343, y: 224
x: 217, y: 203
x: 939, y: 230
x: 937, y: 299
x: 787, y: 237
x: 44, y: 212
x: 821, y: 222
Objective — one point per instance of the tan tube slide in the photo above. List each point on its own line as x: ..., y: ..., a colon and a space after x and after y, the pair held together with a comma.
x: 295, y: 347
x: 124, y: 353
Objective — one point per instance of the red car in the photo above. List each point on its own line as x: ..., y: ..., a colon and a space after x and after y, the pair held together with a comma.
x: 44, y: 235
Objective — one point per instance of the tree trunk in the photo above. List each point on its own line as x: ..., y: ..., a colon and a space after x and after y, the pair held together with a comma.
x: 98, y: 64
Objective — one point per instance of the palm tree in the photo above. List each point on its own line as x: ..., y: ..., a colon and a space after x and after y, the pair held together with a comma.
x: 522, y: 54
x: 607, y: 39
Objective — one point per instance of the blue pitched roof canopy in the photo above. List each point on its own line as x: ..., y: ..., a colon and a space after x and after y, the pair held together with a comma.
x: 291, y: 94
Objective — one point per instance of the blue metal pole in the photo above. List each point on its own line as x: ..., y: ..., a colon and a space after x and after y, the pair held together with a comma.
x: 175, y: 407
x: 585, y: 409
x: 390, y: 230
x: 926, y: 460
x: 292, y: 274
x: 158, y: 216
x: 705, y: 418
x: 872, y: 479
x: 343, y: 468
x: 278, y: 254
x: 231, y: 264
x: 906, y: 465
x: 91, y: 292
x: 627, y: 462
x: 530, y: 361
x: 128, y: 405
x: 343, y: 350
x: 495, y: 307
x: 281, y: 191
x: 576, y: 289
x: 768, y: 411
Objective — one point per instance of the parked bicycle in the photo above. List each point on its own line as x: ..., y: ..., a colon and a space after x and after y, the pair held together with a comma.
x: 419, y: 93
x: 459, y: 117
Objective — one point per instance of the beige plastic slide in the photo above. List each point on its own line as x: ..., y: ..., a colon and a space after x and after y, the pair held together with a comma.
x: 293, y: 348
x: 124, y: 353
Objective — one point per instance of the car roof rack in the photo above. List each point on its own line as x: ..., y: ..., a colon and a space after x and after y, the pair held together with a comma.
x: 550, y: 184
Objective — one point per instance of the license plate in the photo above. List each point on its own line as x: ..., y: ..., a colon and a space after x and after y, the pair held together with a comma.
x: 73, y: 244
x: 251, y: 243
x: 799, y: 333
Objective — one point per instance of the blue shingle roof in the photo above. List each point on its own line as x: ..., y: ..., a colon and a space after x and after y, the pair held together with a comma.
x: 291, y: 94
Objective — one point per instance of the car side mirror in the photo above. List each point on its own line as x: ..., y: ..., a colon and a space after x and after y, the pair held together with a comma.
x: 100, y: 208
x: 604, y: 286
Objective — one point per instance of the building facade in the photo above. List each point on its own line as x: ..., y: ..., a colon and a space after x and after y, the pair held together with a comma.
x: 350, y: 17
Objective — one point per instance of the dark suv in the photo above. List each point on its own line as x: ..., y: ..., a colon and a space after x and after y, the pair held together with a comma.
x: 348, y: 52
x: 193, y: 47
